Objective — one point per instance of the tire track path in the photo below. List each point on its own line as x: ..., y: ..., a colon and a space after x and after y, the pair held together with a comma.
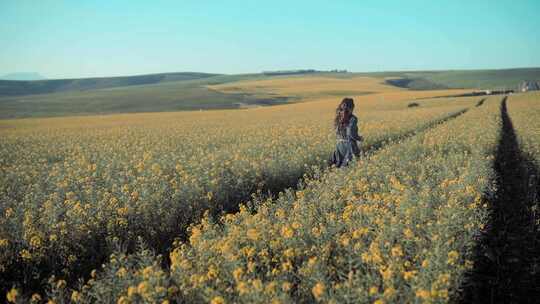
x: 506, y: 257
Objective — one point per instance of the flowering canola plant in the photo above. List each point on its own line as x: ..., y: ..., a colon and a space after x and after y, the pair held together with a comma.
x: 524, y: 111
x: 71, y: 188
x: 396, y: 226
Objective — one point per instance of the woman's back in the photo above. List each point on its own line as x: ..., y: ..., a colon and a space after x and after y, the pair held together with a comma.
x: 346, y: 125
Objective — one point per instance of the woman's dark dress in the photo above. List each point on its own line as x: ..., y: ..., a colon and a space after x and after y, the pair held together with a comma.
x: 346, y: 147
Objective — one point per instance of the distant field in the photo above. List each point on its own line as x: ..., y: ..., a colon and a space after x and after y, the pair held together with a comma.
x: 200, y: 91
x: 217, y: 92
x: 163, y: 96
x: 473, y: 79
x: 308, y: 87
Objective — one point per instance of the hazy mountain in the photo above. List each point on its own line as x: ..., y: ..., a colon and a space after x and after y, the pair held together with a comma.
x: 23, y: 76
x: 25, y: 87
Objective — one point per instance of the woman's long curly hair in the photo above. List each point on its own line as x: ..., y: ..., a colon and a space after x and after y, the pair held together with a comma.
x: 343, y: 115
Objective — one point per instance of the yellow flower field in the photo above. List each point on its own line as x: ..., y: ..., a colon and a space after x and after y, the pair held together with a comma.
x: 73, y: 187
x: 395, y: 227
x: 312, y: 88
x: 524, y: 111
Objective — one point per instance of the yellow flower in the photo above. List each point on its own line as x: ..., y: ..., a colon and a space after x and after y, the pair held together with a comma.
x: 286, y: 266
x: 155, y: 168
x: 386, y: 274
x: 9, y: 212
x: 122, y: 272
x: 257, y: 284
x: 251, y: 266
x: 287, y: 232
x: 11, y: 296
x: 35, y: 241
x: 452, y: 257
x: 248, y: 251
x: 253, y: 234
x: 270, y: 288
x: 242, y: 288
x: 143, y: 288
x: 407, y: 275
x: 132, y: 290
x: 237, y: 273
x: 408, y: 233
x: 423, y: 294
x: 289, y: 253
x: 373, y: 290
x: 318, y: 290
x: 444, y: 278
x: 217, y: 300
x: 344, y: 240
x: 366, y: 257
x: 25, y: 254
x: 123, y: 300
x: 389, y: 292
x: 147, y: 272
x: 396, y: 251
x: 378, y: 301
x: 75, y: 296
x: 212, y: 273
x: 358, y: 233
x: 72, y: 258
x: 195, y: 235
x: 36, y: 297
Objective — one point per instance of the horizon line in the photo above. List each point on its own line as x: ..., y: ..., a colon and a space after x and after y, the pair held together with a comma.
x: 269, y: 71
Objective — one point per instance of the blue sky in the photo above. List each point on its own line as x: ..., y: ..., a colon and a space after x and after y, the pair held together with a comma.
x: 66, y: 39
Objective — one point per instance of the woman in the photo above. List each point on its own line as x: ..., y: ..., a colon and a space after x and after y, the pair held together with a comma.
x: 347, y: 134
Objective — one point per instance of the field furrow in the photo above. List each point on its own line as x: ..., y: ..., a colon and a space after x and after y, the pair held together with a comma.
x: 507, y: 265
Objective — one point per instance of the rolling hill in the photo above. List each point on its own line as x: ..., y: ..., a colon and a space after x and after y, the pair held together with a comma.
x: 169, y: 93
x: 462, y: 79
x: 201, y: 91
x: 16, y: 88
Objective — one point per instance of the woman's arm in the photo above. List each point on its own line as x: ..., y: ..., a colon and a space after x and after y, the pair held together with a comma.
x: 354, y: 130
